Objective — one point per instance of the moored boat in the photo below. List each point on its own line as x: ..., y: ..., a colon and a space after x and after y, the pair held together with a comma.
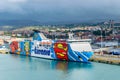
x: 42, y: 47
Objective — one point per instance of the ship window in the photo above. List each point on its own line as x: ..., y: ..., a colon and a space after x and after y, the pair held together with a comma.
x: 79, y: 57
x: 40, y: 45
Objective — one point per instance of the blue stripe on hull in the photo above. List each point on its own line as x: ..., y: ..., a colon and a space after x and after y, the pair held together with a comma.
x: 82, y: 56
x: 72, y: 55
x: 53, y: 55
x: 88, y: 54
x: 78, y: 56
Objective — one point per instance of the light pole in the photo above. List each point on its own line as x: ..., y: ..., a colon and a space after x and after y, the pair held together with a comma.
x: 101, y: 41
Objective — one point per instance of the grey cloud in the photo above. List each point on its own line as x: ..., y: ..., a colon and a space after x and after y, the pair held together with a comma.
x: 61, y: 10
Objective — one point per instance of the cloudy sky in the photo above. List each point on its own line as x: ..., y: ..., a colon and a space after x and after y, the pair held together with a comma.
x: 59, y: 10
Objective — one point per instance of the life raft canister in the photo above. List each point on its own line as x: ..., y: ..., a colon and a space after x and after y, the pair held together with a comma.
x: 61, y: 50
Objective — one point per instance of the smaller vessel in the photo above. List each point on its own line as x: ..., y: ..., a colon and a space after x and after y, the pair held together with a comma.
x: 4, y: 49
x: 42, y: 47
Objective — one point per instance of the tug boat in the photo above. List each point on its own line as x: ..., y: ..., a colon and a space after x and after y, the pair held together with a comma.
x: 42, y: 47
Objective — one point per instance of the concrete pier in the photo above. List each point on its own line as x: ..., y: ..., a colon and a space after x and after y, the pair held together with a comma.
x: 104, y: 58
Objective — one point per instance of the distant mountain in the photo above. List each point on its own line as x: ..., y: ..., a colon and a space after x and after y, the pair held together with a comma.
x: 18, y: 22
x: 107, y: 23
x: 14, y: 24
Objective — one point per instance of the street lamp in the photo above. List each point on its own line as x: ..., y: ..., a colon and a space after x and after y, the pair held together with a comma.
x: 101, y: 40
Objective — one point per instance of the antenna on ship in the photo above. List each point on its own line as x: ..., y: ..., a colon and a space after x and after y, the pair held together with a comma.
x: 113, y: 32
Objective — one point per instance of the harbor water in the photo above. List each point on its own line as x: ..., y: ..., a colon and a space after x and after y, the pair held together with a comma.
x: 16, y: 67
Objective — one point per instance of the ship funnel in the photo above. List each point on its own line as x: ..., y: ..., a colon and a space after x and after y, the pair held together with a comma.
x: 38, y: 36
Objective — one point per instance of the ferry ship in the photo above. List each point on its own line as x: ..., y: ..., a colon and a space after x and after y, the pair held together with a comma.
x: 42, y: 47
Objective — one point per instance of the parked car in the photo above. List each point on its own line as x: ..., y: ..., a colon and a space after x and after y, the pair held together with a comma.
x: 115, y: 51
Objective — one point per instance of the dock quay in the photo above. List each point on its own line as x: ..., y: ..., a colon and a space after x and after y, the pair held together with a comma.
x: 105, y: 58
